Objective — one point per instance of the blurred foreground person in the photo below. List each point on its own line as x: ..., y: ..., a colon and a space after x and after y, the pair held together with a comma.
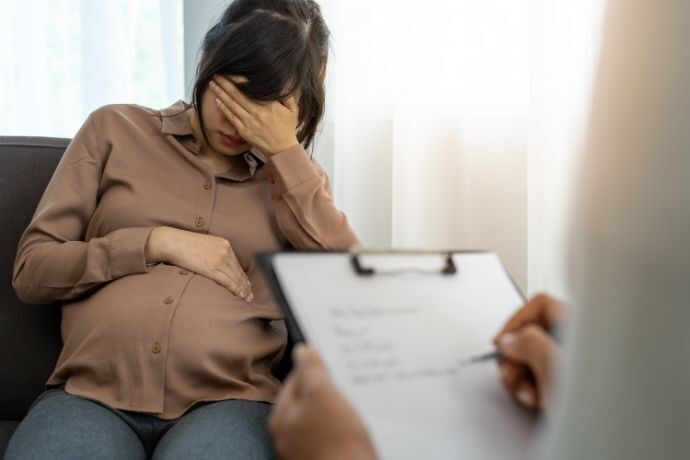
x: 626, y: 379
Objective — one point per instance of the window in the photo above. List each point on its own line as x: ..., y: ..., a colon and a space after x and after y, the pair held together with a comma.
x: 64, y: 58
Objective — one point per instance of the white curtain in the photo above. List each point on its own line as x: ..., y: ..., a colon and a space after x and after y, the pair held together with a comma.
x: 453, y: 123
x: 61, y: 59
x: 564, y: 54
x: 450, y: 123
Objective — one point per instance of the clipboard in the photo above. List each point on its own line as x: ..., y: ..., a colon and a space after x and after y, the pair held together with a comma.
x: 391, y: 353
x: 266, y: 262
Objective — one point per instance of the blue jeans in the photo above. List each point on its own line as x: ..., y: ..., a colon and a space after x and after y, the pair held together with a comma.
x: 64, y: 426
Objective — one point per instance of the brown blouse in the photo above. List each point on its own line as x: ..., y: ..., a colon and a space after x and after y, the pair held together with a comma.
x: 153, y: 337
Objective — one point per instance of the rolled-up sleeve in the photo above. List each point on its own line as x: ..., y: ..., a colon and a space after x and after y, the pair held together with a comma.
x: 303, y: 203
x: 53, y: 261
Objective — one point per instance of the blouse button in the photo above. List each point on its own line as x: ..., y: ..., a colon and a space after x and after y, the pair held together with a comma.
x: 168, y: 300
x: 199, y: 222
x: 207, y: 185
x: 156, y: 348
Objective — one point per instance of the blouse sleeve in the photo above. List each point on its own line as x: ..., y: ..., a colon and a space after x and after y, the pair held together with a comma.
x: 53, y: 261
x: 303, y: 204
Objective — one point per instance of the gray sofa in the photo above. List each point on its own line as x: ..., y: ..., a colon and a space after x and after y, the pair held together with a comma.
x: 29, y: 335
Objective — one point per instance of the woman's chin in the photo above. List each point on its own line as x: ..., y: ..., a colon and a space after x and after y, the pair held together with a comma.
x: 233, y: 151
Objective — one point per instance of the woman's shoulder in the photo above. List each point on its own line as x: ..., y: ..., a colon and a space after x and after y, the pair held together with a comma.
x: 127, y: 113
x: 116, y: 119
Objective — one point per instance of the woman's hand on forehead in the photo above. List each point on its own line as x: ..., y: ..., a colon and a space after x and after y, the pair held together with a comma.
x: 268, y: 126
x: 236, y: 79
x: 239, y: 80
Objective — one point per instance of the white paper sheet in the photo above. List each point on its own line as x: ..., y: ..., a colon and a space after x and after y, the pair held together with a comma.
x: 392, y: 344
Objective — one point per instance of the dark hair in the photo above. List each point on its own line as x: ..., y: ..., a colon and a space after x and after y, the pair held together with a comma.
x: 279, y: 46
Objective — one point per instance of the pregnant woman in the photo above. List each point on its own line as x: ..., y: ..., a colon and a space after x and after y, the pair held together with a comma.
x: 148, y: 232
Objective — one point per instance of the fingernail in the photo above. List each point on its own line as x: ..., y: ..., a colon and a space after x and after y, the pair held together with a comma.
x: 507, y: 339
x: 525, y: 397
x: 212, y: 84
x: 250, y: 297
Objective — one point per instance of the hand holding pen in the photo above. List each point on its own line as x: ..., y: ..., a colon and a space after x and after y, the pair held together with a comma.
x: 529, y: 352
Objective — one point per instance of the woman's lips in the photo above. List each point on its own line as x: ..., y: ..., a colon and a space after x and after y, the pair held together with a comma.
x: 231, y: 141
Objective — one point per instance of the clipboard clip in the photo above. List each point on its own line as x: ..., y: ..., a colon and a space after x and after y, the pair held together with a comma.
x: 448, y: 268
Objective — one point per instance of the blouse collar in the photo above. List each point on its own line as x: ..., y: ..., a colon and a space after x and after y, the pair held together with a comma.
x: 174, y: 121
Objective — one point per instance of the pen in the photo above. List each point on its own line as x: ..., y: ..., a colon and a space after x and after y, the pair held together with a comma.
x: 478, y: 358
x: 496, y: 353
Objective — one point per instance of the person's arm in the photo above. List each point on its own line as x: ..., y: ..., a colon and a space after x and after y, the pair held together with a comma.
x: 303, y: 205
x: 312, y: 420
x: 53, y: 262
x: 300, y: 191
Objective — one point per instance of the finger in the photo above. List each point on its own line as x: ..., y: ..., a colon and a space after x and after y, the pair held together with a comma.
x: 231, y: 116
x: 515, y: 377
x: 552, y: 310
x: 242, y: 281
x: 533, y: 347
x: 511, y: 374
x: 228, y: 101
x: 529, y: 313
x: 311, y: 372
x: 528, y: 396
x: 232, y: 284
x: 234, y: 287
x: 234, y: 271
x: 287, y: 398
x: 238, y: 275
x: 541, y: 309
x: 230, y: 88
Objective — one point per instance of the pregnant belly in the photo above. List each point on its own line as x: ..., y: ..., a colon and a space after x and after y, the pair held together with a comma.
x: 223, y: 333
x: 205, y: 334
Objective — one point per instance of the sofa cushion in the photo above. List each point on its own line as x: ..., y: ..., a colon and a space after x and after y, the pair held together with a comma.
x: 29, y: 335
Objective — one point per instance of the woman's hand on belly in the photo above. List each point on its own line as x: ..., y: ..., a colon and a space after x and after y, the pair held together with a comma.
x: 206, y: 255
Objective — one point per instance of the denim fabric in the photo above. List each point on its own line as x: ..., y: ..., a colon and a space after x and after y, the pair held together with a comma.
x: 64, y: 426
